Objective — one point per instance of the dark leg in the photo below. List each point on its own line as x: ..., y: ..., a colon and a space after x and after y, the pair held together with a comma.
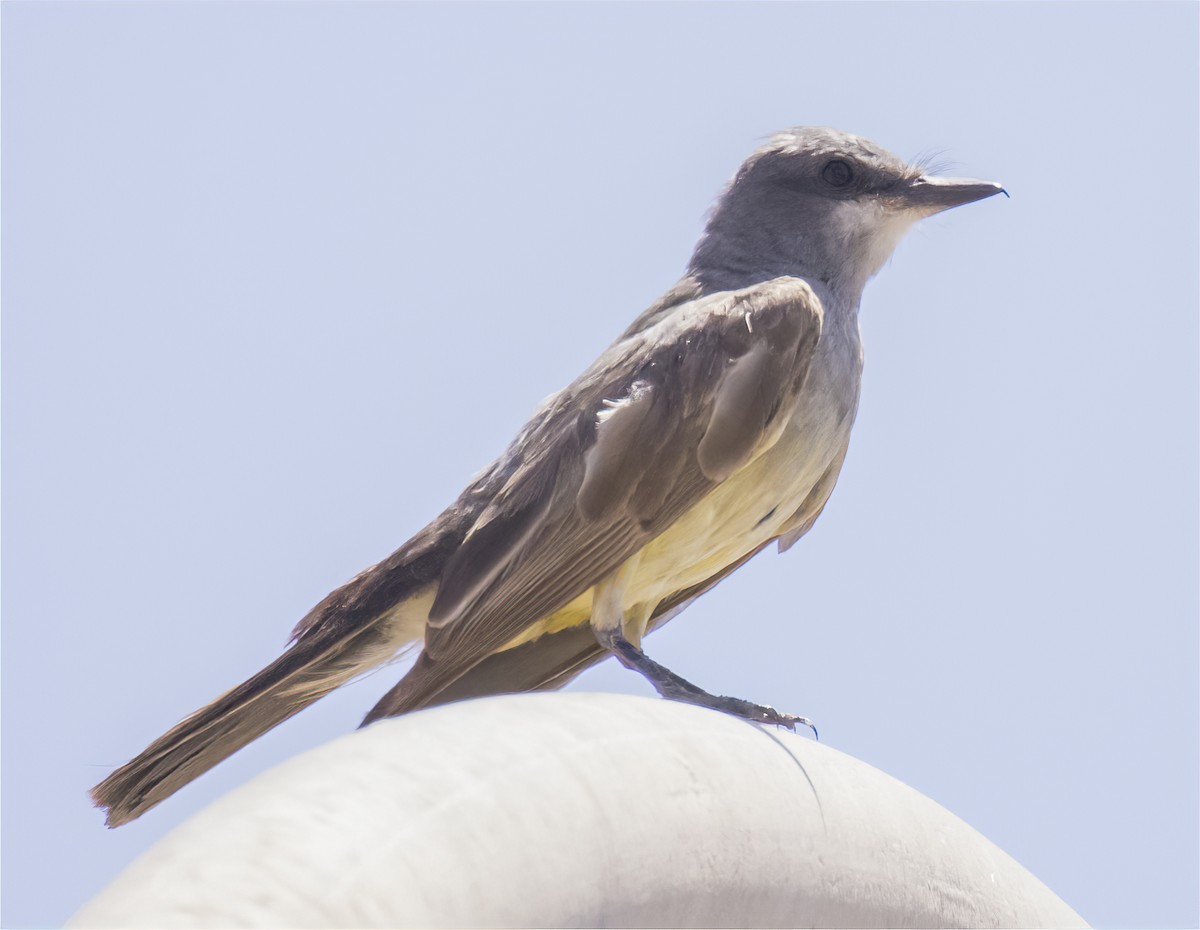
x: 671, y: 686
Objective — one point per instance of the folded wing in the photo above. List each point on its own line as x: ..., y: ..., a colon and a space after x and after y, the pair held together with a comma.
x: 614, y: 459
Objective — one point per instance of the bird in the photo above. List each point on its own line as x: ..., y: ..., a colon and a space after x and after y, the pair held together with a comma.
x: 714, y: 426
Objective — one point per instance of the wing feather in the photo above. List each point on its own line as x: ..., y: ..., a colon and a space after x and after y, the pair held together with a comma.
x: 667, y: 413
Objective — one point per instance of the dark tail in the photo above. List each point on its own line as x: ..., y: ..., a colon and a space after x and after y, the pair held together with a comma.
x: 357, y: 627
x: 308, y: 670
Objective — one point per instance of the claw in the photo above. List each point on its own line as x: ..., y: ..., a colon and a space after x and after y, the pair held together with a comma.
x: 790, y: 721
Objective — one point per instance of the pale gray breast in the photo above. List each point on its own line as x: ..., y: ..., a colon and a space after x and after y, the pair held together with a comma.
x: 825, y: 409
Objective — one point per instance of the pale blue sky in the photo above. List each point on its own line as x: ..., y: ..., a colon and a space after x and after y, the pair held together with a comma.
x: 278, y: 279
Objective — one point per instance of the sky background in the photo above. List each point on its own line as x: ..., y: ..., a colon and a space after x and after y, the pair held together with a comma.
x: 279, y: 279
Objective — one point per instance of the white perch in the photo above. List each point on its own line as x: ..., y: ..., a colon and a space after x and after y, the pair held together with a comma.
x: 574, y: 810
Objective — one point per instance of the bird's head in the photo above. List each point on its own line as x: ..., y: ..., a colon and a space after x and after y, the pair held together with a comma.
x: 823, y: 204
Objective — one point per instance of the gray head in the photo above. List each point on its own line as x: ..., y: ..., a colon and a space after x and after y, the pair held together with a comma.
x: 821, y: 204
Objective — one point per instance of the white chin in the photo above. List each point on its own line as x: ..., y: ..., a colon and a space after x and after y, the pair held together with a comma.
x: 865, y: 225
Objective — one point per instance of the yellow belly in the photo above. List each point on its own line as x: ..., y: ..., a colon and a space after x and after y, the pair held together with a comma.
x: 747, y: 509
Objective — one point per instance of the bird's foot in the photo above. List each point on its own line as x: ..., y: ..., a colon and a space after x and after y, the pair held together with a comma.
x: 675, y: 688
x: 760, y: 713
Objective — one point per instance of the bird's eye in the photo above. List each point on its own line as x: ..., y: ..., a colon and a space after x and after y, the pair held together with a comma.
x: 837, y: 173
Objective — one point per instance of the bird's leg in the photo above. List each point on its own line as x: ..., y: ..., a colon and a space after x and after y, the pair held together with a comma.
x: 608, y: 624
x: 672, y: 686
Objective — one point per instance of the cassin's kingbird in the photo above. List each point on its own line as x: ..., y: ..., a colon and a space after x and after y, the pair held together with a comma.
x: 715, y: 425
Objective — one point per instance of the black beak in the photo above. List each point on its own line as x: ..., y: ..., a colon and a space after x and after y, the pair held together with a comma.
x: 933, y: 195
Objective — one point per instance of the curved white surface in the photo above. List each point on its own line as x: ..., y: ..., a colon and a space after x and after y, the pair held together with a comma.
x: 574, y: 810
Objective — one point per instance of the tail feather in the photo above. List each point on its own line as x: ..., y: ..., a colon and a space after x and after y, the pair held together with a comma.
x: 308, y: 670
x: 355, y: 628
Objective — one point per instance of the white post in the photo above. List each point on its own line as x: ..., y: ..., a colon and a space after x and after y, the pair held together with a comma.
x: 574, y: 810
